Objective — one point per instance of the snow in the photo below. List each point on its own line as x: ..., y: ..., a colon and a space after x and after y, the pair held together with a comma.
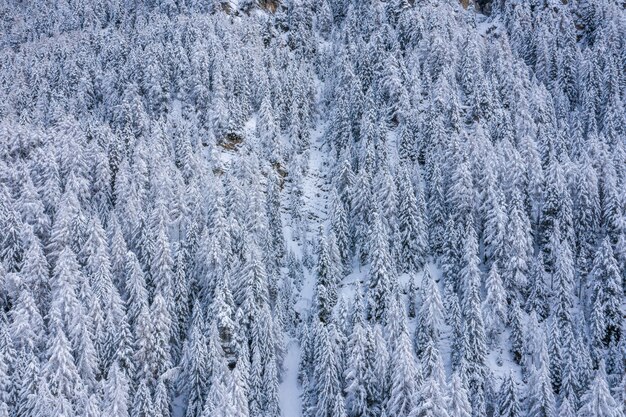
x: 290, y: 404
x: 316, y: 204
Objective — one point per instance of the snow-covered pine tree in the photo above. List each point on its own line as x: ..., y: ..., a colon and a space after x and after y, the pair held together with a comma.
x: 508, y: 398
x: 430, y: 314
x: 459, y: 403
x: 328, y: 382
x: 494, y: 306
x: 413, y: 246
x: 357, y: 366
x: 381, y: 272
x: 474, y: 341
x: 607, y: 293
x: 326, y: 287
x: 598, y: 401
x: 540, y: 395
x: 405, y: 372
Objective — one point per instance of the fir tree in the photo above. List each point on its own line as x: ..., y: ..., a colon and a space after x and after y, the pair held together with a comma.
x: 538, y: 298
x: 540, y: 395
x: 430, y: 314
x: 326, y: 289
x: 597, y: 401
x: 413, y: 236
x: 329, y: 398
x: 494, y: 306
x: 459, y: 403
x: 142, y: 403
x: 380, y: 279
x: 608, y: 293
x: 405, y: 376
x: 60, y: 370
x: 508, y: 402
x: 356, y: 370
x: 518, y: 246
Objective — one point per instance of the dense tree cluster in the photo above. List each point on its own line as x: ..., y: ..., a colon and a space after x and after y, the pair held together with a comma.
x: 427, y: 203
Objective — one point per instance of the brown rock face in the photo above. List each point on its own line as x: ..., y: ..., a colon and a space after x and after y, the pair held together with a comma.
x: 484, y: 6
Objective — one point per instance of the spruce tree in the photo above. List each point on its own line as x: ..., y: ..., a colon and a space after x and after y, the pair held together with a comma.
x: 329, y: 398
x: 412, y: 227
x: 508, y: 402
x: 341, y: 229
x: 538, y: 298
x: 142, y: 405
x: 27, y: 326
x: 194, y: 365
x: 598, y: 401
x: 474, y: 342
x: 494, y: 306
x: 436, y: 209
x: 518, y: 247
x: 356, y: 370
x: 405, y: 376
x: 325, y: 289
x: 608, y: 292
x: 459, y: 405
x: 540, y: 394
x: 60, y: 370
x: 430, y: 314
x: 380, y: 275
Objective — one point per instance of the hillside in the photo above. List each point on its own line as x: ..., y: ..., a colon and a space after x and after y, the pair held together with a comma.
x: 333, y: 208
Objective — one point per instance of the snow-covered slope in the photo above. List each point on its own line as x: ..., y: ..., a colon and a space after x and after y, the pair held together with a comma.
x: 312, y: 208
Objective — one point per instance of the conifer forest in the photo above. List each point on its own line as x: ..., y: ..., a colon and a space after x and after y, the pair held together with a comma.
x: 312, y: 208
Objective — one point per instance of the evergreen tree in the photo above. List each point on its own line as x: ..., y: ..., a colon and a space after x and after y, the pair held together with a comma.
x: 377, y: 382
x: 518, y: 246
x: 341, y: 229
x: 566, y: 409
x: 216, y: 397
x: 494, y: 306
x: 433, y: 399
x: 362, y: 212
x: 194, y: 364
x: 326, y: 287
x: 608, y: 292
x: 160, y: 354
x: 380, y: 275
x: 356, y: 370
x: 598, y: 401
x: 405, y: 376
x: 7, y: 360
x: 142, y: 403
x: 436, y: 209
x: 35, y: 269
x: 412, y: 227
x: 474, y: 343
x: 455, y: 321
x: 239, y: 389
x: 586, y: 214
x: 540, y: 395
x: 461, y: 194
x: 538, y: 298
x: 430, y: 314
x: 27, y: 326
x: 329, y: 398
x: 459, y: 403
x: 508, y: 403
x: 60, y: 370
x: 412, y: 297
x: 495, y: 220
